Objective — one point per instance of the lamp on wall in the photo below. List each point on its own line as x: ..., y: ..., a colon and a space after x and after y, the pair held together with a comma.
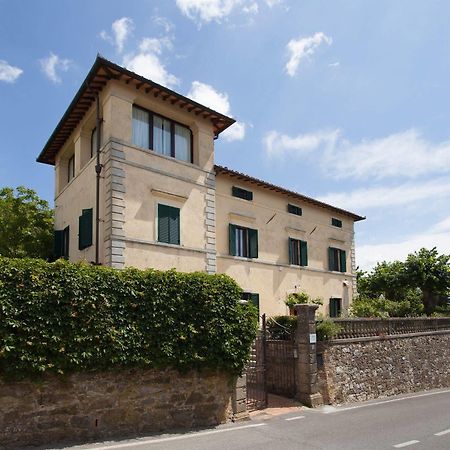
x: 345, y: 283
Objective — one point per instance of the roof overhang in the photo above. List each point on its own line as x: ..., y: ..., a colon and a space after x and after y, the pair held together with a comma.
x: 264, y: 184
x: 100, y: 74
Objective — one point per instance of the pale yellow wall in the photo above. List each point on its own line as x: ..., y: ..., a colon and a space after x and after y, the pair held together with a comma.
x: 79, y: 194
x: 270, y: 275
x: 151, y: 180
x: 147, y: 179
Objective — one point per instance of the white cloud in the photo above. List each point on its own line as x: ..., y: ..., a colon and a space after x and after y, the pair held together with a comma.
x: 334, y: 64
x: 54, y: 64
x: 279, y: 146
x: 406, y: 154
x: 235, y: 133
x: 155, y: 45
x: 302, y: 48
x: 164, y: 23
x: 382, y: 197
x: 9, y: 73
x: 251, y: 8
x: 206, y: 95
x: 147, y: 64
x: 207, y: 10
x: 145, y: 60
x: 368, y: 255
x: 443, y: 225
x: 121, y: 30
x: 272, y: 3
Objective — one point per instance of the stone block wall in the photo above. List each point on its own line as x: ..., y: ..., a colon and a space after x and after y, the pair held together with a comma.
x: 353, y: 370
x: 92, y: 406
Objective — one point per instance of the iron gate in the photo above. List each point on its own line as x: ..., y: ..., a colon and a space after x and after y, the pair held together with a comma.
x: 256, y: 372
x: 272, y: 368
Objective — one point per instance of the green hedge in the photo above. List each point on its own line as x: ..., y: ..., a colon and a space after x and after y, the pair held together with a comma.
x: 284, y: 328
x: 63, y: 317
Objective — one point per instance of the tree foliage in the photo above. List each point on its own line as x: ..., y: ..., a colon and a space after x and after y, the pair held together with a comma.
x: 404, y: 288
x: 26, y: 224
x: 63, y: 317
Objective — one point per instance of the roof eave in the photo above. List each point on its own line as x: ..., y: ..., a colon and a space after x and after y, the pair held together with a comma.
x: 220, y: 124
x: 226, y: 170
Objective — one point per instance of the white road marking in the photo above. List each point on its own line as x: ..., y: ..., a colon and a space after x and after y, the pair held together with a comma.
x: 441, y: 433
x: 174, y: 438
x: 406, y: 444
x: 349, y: 408
x: 295, y: 418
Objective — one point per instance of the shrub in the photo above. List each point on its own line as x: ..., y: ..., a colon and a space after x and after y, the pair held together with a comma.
x: 284, y: 327
x: 381, y: 307
x: 327, y: 329
x: 61, y: 317
x: 281, y: 327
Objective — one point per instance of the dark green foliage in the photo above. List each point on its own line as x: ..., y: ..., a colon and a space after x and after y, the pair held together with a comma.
x: 424, y: 276
x: 281, y: 327
x: 327, y: 329
x: 26, y: 224
x: 284, y: 327
x: 62, y: 317
x: 411, y: 306
x: 430, y: 272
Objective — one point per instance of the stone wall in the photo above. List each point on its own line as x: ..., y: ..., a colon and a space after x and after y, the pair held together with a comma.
x: 91, y: 406
x: 353, y: 370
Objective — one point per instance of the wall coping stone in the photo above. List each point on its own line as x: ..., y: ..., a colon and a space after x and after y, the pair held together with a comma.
x: 383, y: 337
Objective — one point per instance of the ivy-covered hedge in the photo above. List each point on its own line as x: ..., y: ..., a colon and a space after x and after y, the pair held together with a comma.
x: 63, y: 317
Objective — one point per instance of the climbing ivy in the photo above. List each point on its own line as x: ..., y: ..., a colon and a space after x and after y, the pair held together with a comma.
x: 63, y: 317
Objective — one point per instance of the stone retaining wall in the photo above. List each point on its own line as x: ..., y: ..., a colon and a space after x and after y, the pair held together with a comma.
x: 91, y: 406
x: 361, y: 369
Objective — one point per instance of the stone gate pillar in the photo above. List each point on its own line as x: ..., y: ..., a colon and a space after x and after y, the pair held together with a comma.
x: 305, y: 344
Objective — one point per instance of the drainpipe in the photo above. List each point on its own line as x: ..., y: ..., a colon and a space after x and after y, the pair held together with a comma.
x: 98, y: 170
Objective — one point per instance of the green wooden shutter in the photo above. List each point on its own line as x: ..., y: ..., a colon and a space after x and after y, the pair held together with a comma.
x: 330, y: 258
x: 332, y: 307
x: 253, y: 243
x: 290, y: 251
x: 174, y: 226
x: 232, y: 239
x: 343, y: 257
x: 66, y: 242
x: 303, y: 253
x: 85, y: 229
x: 168, y: 224
x: 163, y: 224
x: 254, y: 298
x: 58, y: 238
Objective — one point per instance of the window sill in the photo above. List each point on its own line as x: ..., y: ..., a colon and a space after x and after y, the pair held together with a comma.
x: 242, y: 258
x: 160, y: 155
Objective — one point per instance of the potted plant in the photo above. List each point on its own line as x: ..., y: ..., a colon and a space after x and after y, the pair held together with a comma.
x: 296, y: 298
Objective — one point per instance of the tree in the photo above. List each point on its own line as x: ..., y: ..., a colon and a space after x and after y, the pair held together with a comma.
x: 387, y: 279
x: 397, y: 287
x: 430, y: 272
x: 26, y: 224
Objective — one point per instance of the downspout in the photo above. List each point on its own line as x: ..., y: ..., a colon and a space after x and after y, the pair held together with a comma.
x: 98, y: 170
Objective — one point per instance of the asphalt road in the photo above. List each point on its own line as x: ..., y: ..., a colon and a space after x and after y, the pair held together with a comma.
x: 416, y: 421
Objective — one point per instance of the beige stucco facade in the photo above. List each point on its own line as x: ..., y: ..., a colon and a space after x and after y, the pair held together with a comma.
x: 135, y: 180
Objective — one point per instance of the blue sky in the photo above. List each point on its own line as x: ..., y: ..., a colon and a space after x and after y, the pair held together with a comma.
x: 345, y: 101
